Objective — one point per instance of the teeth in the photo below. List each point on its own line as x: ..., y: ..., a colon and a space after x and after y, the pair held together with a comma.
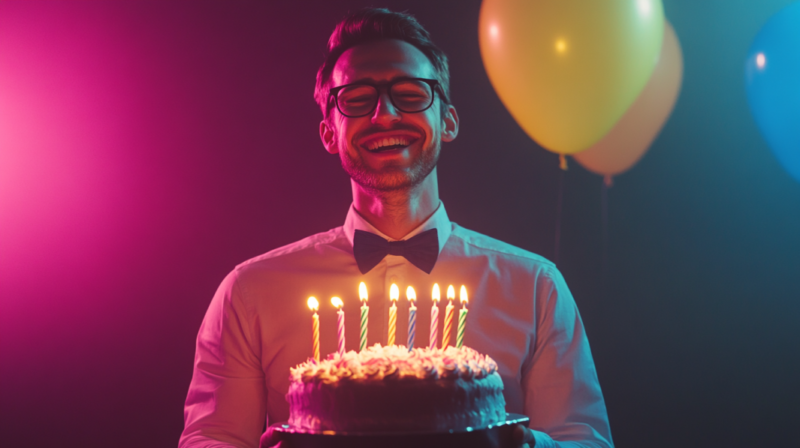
x: 388, y: 141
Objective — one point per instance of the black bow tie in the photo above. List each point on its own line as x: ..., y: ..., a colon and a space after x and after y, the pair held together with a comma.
x: 421, y: 250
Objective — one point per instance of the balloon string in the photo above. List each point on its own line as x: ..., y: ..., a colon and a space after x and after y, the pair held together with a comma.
x: 558, y: 215
x: 604, y: 219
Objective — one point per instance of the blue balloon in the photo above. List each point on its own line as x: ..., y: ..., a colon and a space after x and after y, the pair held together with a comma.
x: 772, y: 74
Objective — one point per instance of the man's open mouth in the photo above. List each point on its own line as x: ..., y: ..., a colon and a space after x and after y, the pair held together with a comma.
x: 388, y: 143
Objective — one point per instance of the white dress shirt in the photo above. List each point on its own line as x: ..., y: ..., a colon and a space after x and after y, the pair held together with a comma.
x: 521, y: 313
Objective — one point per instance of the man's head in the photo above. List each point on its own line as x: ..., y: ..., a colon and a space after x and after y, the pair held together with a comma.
x: 386, y: 127
x: 374, y: 24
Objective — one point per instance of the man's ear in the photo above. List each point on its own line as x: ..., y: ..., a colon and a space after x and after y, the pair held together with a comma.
x: 449, y: 124
x: 328, y: 137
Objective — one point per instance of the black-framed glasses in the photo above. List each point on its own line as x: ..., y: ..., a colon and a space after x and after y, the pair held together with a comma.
x: 409, y: 95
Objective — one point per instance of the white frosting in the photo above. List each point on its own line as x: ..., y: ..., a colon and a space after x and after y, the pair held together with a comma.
x: 377, y: 363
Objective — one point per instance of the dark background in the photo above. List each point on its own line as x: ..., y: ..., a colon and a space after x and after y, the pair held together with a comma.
x: 146, y: 148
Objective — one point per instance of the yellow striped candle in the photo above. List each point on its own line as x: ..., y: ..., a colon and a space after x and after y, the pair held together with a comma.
x: 462, y: 318
x: 313, y: 304
x: 337, y: 302
x: 362, y: 294
x: 448, y: 317
x: 435, y: 295
x: 394, y: 295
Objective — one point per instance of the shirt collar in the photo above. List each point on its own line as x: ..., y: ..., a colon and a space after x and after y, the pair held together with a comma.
x: 438, y: 221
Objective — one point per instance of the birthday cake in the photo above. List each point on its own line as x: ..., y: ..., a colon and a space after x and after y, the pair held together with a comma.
x: 388, y: 389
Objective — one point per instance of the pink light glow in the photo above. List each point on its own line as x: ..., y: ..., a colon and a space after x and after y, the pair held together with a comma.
x: 68, y: 177
x: 65, y: 117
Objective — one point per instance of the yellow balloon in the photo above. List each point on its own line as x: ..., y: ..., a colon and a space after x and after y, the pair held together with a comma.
x: 627, y: 142
x: 568, y: 69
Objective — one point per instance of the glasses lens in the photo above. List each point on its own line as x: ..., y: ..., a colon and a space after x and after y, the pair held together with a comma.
x: 357, y: 100
x: 412, y: 96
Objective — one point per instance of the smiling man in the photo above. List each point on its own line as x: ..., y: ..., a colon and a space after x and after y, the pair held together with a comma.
x: 384, y: 94
x: 383, y: 118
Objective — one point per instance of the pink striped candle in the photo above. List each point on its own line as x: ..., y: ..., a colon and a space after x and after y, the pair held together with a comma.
x: 337, y: 302
x: 394, y: 295
x: 434, y: 340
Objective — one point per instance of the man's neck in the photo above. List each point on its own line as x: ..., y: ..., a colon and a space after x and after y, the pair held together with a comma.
x: 396, y: 213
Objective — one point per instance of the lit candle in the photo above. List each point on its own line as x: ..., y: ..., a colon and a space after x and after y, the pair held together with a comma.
x: 362, y: 293
x: 337, y: 302
x: 435, y: 317
x: 313, y: 304
x: 412, y: 317
x: 394, y: 294
x: 462, y: 318
x: 448, y: 317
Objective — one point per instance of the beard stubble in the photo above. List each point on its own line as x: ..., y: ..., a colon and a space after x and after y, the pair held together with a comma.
x: 391, y: 177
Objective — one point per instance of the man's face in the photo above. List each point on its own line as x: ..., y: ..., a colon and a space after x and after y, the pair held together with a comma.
x: 387, y: 150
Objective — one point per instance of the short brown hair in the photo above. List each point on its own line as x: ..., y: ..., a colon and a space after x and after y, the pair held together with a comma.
x: 374, y: 24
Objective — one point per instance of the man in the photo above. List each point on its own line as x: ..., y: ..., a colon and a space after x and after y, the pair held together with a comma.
x: 384, y: 93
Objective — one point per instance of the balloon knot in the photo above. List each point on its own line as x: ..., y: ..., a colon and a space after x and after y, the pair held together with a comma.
x: 608, y: 180
x: 562, y: 160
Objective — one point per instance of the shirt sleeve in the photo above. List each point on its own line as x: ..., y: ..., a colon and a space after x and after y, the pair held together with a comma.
x: 226, y: 403
x: 562, y: 393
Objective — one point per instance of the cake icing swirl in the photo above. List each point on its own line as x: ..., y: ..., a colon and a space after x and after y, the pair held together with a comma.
x: 378, y: 363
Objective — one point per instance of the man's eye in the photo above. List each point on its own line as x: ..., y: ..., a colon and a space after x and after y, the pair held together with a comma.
x: 357, y: 99
x: 410, y: 95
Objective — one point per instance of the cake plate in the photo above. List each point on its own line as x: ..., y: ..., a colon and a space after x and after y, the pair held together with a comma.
x: 494, y: 436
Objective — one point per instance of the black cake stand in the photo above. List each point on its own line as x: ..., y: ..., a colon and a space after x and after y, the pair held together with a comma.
x: 494, y: 436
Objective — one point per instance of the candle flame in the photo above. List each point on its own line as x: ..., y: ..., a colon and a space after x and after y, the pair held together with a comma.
x: 463, y: 296
x: 313, y: 303
x: 394, y: 292
x: 337, y: 302
x: 436, y: 295
x: 411, y: 294
x: 362, y: 291
x: 451, y: 292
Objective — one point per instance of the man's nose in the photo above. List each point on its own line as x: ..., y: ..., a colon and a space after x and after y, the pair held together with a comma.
x: 385, y: 112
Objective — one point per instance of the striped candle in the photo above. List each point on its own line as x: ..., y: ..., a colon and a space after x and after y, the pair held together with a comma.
x: 314, y: 305
x: 394, y: 295
x: 362, y: 293
x: 337, y: 302
x: 434, y: 340
x: 462, y: 318
x: 412, y: 317
x: 448, y: 317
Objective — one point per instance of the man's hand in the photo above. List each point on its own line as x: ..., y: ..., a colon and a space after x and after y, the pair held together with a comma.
x: 522, y: 437
x: 272, y: 439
